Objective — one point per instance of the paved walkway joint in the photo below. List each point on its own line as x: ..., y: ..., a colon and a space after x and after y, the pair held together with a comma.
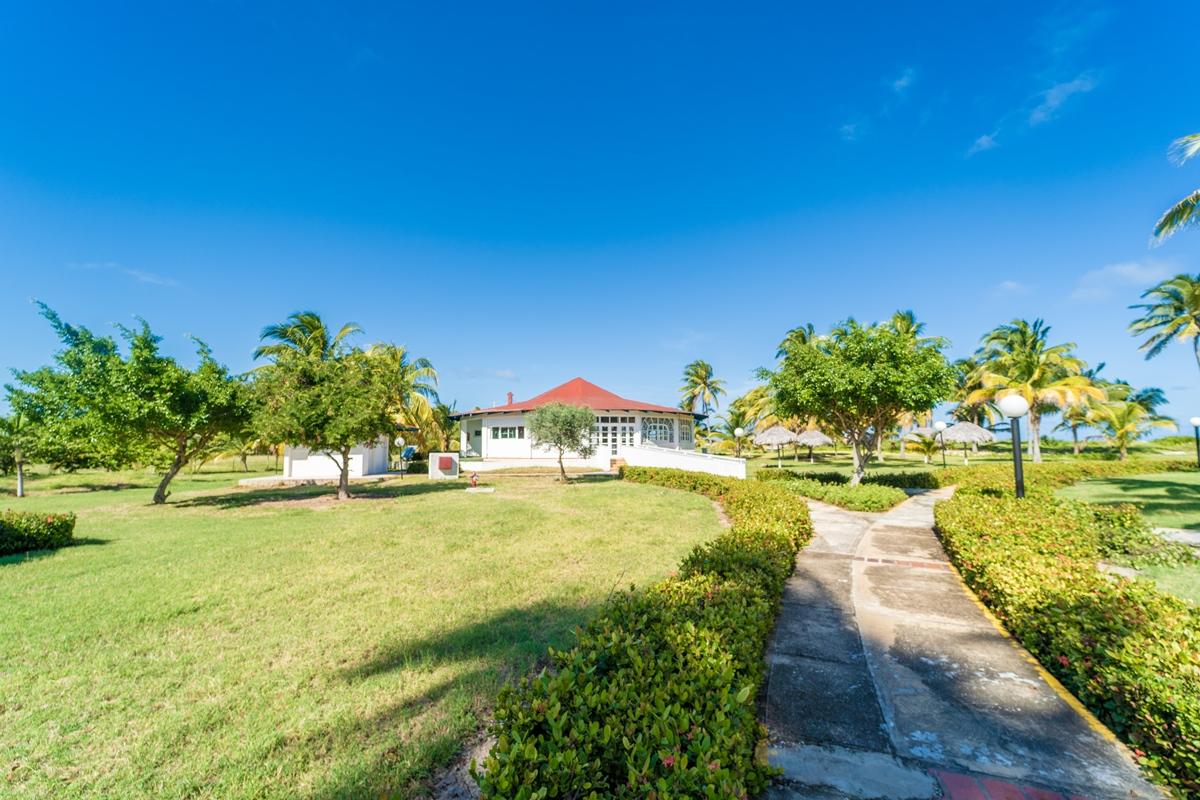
x: 887, y: 679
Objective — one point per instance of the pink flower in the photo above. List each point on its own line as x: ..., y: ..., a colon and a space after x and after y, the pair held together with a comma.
x: 1064, y: 661
x: 668, y: 761
x: 713, y: 766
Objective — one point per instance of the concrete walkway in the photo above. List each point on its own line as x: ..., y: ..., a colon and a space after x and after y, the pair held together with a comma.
x: 888, y: 680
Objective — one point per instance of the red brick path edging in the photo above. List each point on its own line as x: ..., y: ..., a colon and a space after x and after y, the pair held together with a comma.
x: 958, y: 786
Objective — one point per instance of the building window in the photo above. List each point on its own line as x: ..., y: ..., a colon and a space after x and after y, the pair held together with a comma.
x: 685, y: 431
x: 658, y: 429
x: 509, y: 432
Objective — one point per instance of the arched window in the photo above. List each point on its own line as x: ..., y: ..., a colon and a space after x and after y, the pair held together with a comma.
x: 658, y: 429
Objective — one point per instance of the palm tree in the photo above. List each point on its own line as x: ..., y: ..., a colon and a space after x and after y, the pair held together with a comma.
x: 905, y: 323
x: 1078, y: 414
x: 1184, y: 212
x: 304, y: 332
x: 801, y: 335
x: 700, y: 387
x: 759, y: 405
x: 414, y: 390
x: 735, y: 417
x: 1172, y: 313
x: 1125, y: 421
x: 15, y: 429
x: 1018, y: 359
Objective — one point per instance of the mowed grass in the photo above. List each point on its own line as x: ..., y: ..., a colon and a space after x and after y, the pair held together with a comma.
x: 1168, y: 500
x: 276, y: 643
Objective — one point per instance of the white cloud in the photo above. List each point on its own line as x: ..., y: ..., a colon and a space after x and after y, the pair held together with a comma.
x: 983, y: 144
x: 1053, y: 98
x: 850, y: 131
x: 1011, y: 287
x: 901, y: 84
x: 137, y: 275
x: 1124, y: 277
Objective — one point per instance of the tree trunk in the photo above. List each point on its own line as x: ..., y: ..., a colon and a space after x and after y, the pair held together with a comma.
x: 1035, y: 436
x: 1124, y: 453
x: 1075, y: 447
x: 160, y: 494
x: 860, y: 457
x: 245, y: 466
x: 562, y: 471
x: 344, y: 475
x: 20, y: 479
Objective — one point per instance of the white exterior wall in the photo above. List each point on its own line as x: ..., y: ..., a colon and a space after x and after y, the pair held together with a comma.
x: 489, y: 448
x: 300, y: 462
x: 651, y: 456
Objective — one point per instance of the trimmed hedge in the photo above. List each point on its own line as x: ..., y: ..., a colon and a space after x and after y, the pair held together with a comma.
x: 21, y: 531
x: 1129, y: 652
x: 833, y: 488
x: 657, y: 697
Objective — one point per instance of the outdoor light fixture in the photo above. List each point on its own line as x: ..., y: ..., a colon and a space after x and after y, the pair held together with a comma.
x: 940, y: 427
x: 1196, y: 429
x: 739, y: 432
x: 1014, y: 407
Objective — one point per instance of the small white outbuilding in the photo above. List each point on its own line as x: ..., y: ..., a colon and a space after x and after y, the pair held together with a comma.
x: 300, y: 462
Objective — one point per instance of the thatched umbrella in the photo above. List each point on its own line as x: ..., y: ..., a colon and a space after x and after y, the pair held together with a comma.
x: 811, y: 439
x: 776, y: 436
x: 967, y: 433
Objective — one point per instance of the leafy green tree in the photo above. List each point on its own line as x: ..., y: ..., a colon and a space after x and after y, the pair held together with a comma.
x: 306, y: 333
x: 1172, y: 314
x: 1018, y: 359
x: 701, y: 388
x: 1184, y: 212
x: 324, y: 395
x: 142, y: 407
x: 859, y: 380
x: 564, y: 428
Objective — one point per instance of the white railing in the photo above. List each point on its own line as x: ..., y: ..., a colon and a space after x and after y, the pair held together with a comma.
x: 650, y: 455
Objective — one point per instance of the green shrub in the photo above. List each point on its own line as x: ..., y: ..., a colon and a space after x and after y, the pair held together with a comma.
x: 1125, y: 536
x: 833, y: 488
x: 1129, y: 652
x: 904, y: 480
x: 21, y: 531
x: 657, y: 696
x: 1044, y: 478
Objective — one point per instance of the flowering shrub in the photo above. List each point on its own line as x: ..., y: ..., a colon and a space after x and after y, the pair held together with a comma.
x: 21, y: 531
x: 1129, y: 652
x: 656, y: 698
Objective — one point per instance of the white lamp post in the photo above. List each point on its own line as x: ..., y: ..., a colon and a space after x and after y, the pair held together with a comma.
x: 940, y: 427
x: 1014, y: 407
x: 1196, y: 429
x: 738, y: 433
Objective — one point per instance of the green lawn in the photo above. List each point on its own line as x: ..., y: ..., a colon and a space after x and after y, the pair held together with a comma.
x: 242, y: 643
x: 1168, y: 500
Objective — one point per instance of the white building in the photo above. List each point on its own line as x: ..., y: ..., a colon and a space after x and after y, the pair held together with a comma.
x: 300, y: 462
x: 626, y: 431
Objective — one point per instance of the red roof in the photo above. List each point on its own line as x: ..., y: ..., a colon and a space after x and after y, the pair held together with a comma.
x: 578, y: 392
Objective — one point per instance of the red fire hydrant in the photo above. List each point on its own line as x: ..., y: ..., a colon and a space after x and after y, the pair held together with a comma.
x: 474, y: 479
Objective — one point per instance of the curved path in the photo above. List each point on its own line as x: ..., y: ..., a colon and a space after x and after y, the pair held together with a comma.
x: 888, y: 680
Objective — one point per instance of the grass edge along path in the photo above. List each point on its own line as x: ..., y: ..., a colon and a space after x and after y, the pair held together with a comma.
x: 1128, y: 651
x: 657, y: 697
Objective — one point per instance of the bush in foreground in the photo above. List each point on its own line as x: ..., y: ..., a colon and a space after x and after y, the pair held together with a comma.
x: 1129, y: 652
x: 656, y: 698
x: 22, y: 531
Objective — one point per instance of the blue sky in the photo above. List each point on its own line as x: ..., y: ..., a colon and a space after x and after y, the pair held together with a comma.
x: 527, y: 192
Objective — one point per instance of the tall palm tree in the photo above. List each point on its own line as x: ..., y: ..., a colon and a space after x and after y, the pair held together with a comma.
x: 304, y: 332
x: 1173, y: 313
x: 759, y: 405
x: 700, y: 387
x: 1079, y: 413
x: 801, y: 335
x: 1184, y: 212
x: 1124, y: 422
x: 906, y: 324
x: 1018, y: 359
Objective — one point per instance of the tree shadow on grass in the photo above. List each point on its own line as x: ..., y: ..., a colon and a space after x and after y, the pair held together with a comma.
x: 283, y: 494
x: 499, y: 648
x: 1168, y: 497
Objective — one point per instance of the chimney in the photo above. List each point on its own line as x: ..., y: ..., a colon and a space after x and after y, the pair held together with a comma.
x: 510, y: 398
